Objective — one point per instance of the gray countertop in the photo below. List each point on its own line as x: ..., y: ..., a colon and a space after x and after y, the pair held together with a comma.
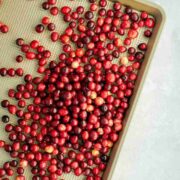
x: 152, y: 147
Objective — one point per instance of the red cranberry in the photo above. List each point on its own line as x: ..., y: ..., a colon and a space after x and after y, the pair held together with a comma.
x: 12, y: 109
x: 78, y: 171
x: 4, y: 28
x: 2, y: 172
x: 51, y: 26
x: 3, y: 71
x: 117, y: 6
x: 4, y: 103
x: 54, y: 11
x: 39, y: 28
x: 142, y: 46
x: 11, y: 72
x: 148, y: 33
x: 144, y: 15
x: 19, y: 72
x: 19, y: 41
x: 19, y: 58
x: 45, y: 20
x: 149, y: 22
x: 134, y: 16
x: 9, y: 172
x: 45, y: 6
x: 52, y: 2
x: 65, y: 10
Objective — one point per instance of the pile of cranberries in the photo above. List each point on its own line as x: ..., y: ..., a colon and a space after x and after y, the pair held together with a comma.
x: 69, y: 117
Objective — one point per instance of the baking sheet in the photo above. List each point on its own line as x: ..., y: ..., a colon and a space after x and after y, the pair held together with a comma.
x: 22, y: 16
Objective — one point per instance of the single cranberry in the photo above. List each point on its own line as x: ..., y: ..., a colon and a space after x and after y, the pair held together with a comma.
x: 19, y: 72
x: 78, y: 171
x: 39, y: 28
x: 139, y: 56
x: 45, y: 20
x: 45, y: 5
x: 134, y: 16
x: 3, y: 71
x: 89, y: 15
x: 51, y: 26
x: 142, y: 46
x: 117, y: 6
x: 2, y: 143
x: 65, y: 10
x: 4, y: 28
x: 12, y: 109
x: 150, y: 23
x: 19, y: 41
x: 9, y: 172
x: 20, y: 170
x: 5, y: 119
x: 19, y: 58
x: 54, y: 36
x: 11, y: 72
x: 144, y: 15
x: 2, y: 172
x: 103, y: 3
x: 52, y: 2
x: 148, y: 33
x: 54, y: 11
x: 132, y: 34
x: 20, y: 177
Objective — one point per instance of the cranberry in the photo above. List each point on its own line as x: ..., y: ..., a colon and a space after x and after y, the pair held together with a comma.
x: 19, y: 72
x: 54, y: 11
x: 20, y: 177
x: 39, y: 28
x: 134, y: 16
x: 20, y: 170
x: 148, y: 33
x: 5, y: 119
x: 132, y: 34
x: 9, y: 172
x: 54, y: 36
x: 11, y: 72
x: 19, y: 58
x: 4, y: 28
x: 45, y: 5
x: 139, y: 56
x: 2, y: 143
x: 3, y: 71
x: 102, y: 3
x: 89, y: 15
x: 110, y: 77
x: 78, y: 171
x: 144, y: 15
x: 12, y: 109
x: 117, y: 6
x: 19, y: 41
x: 45, y: 20
x: 52, y: 2
x: 150, y: 23
x: 51, y: 26
x: 2, y: 172
x: 142, y: 46
x: 65, y: 10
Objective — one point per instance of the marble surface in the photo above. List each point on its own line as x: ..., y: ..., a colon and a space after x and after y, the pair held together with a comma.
x: 152, y: 147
